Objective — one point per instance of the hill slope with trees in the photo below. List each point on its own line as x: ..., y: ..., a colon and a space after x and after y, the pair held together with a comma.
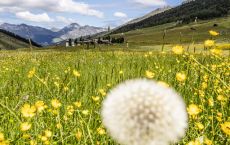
x: 11, y: 41
x: 185, y: 13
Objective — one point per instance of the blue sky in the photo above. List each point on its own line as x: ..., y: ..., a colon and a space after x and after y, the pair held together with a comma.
x: 59, y: 13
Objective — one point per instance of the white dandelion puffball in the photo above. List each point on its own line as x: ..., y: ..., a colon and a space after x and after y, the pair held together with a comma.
x: 142, y: 112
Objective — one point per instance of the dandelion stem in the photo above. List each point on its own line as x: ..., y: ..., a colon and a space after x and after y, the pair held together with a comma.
x: 11, y: 112
x: 89, y: 131
x: 44, y: 84
x: 61, y: 132
x: 224, y: 83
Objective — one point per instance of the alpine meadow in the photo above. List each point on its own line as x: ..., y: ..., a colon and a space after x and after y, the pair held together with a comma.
x: 162, y: 79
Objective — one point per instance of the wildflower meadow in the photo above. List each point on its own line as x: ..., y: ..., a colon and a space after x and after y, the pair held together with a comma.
x: 56, y: 97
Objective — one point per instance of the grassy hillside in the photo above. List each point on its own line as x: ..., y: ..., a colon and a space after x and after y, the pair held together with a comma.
x: 175, y: 34
x: 11, y: 42
x: 185, y: 13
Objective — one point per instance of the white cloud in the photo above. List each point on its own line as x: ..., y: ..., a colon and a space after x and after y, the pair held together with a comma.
x: 28, y: 16
x: 12, y: 9
x: 68, y: 6
x: 78, y: 7
x: 64, y: 20
x: 151, y: 2
x: 120, y: 15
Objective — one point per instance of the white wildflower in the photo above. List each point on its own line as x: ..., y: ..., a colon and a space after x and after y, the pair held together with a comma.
x: 141, y: 112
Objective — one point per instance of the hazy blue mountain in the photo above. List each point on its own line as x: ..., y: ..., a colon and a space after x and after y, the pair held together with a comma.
x: 45, y: 36
x: 74, y: 31
x: 40, y: 35
x: 68, y: 28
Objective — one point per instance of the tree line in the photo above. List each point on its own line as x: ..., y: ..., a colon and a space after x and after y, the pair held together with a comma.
x: 100, y: 40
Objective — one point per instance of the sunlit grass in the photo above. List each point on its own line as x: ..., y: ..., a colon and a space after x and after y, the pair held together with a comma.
x: 80, y: 80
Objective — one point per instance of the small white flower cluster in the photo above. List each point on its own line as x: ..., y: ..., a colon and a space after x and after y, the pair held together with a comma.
x: 142, y: 112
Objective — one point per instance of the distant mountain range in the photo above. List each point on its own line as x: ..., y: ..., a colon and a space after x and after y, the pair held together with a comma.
x: 75, y: 30
x: 45, y: 36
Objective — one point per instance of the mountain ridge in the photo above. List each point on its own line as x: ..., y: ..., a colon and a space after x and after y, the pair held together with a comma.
x: 46, y: 36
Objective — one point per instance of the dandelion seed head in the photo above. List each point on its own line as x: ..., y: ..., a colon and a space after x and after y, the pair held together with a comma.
x: 144, y: 112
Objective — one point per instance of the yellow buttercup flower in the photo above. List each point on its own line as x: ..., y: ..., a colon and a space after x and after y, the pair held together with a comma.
x: 207, y: 141
x: 85, y: 112
x: 33, y: 142
x: 121, y: 72
x: 196, y: 142
x: 70, y: 110
x: 102, y: 92
x: 66, y: 88
x: 193, y: 110
x: 2, y: 138
x: 101, y: 131
x: 213, y: 33
x: 25, y: 126
x: 26, y: 136
x: 76, y: 73
x: 178, y: 49
x: 181, y: 77
x: 226, y: 128
x: 204, y: 85
x: 31, y: 73
x: 48, y: 133
x: 209, y: 43
x: 211, y: 102
x: 57, y: 84
x: 164, y: 84
x: 5, y: 142
x: 221, y: 98
x: 200, y: 126
x: 56, y: 103
x: 149, y: 74
x: 216, y: 51
x: 54, y: 111
x: 28, y: 111
x: 40, y: 106
x: 59, y: 125
x: 78, y: 135
x: 96, y: 98
x: 77, y: 104
x: 65, y: 117
x: 44, y: 138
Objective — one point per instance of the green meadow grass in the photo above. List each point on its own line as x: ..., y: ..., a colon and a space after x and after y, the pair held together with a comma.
x: 101, y: 70
x: 177, y: 34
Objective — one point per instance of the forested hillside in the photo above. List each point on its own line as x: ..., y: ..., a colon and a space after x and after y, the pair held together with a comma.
x: 185, y: 13
x: 10, y: 40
